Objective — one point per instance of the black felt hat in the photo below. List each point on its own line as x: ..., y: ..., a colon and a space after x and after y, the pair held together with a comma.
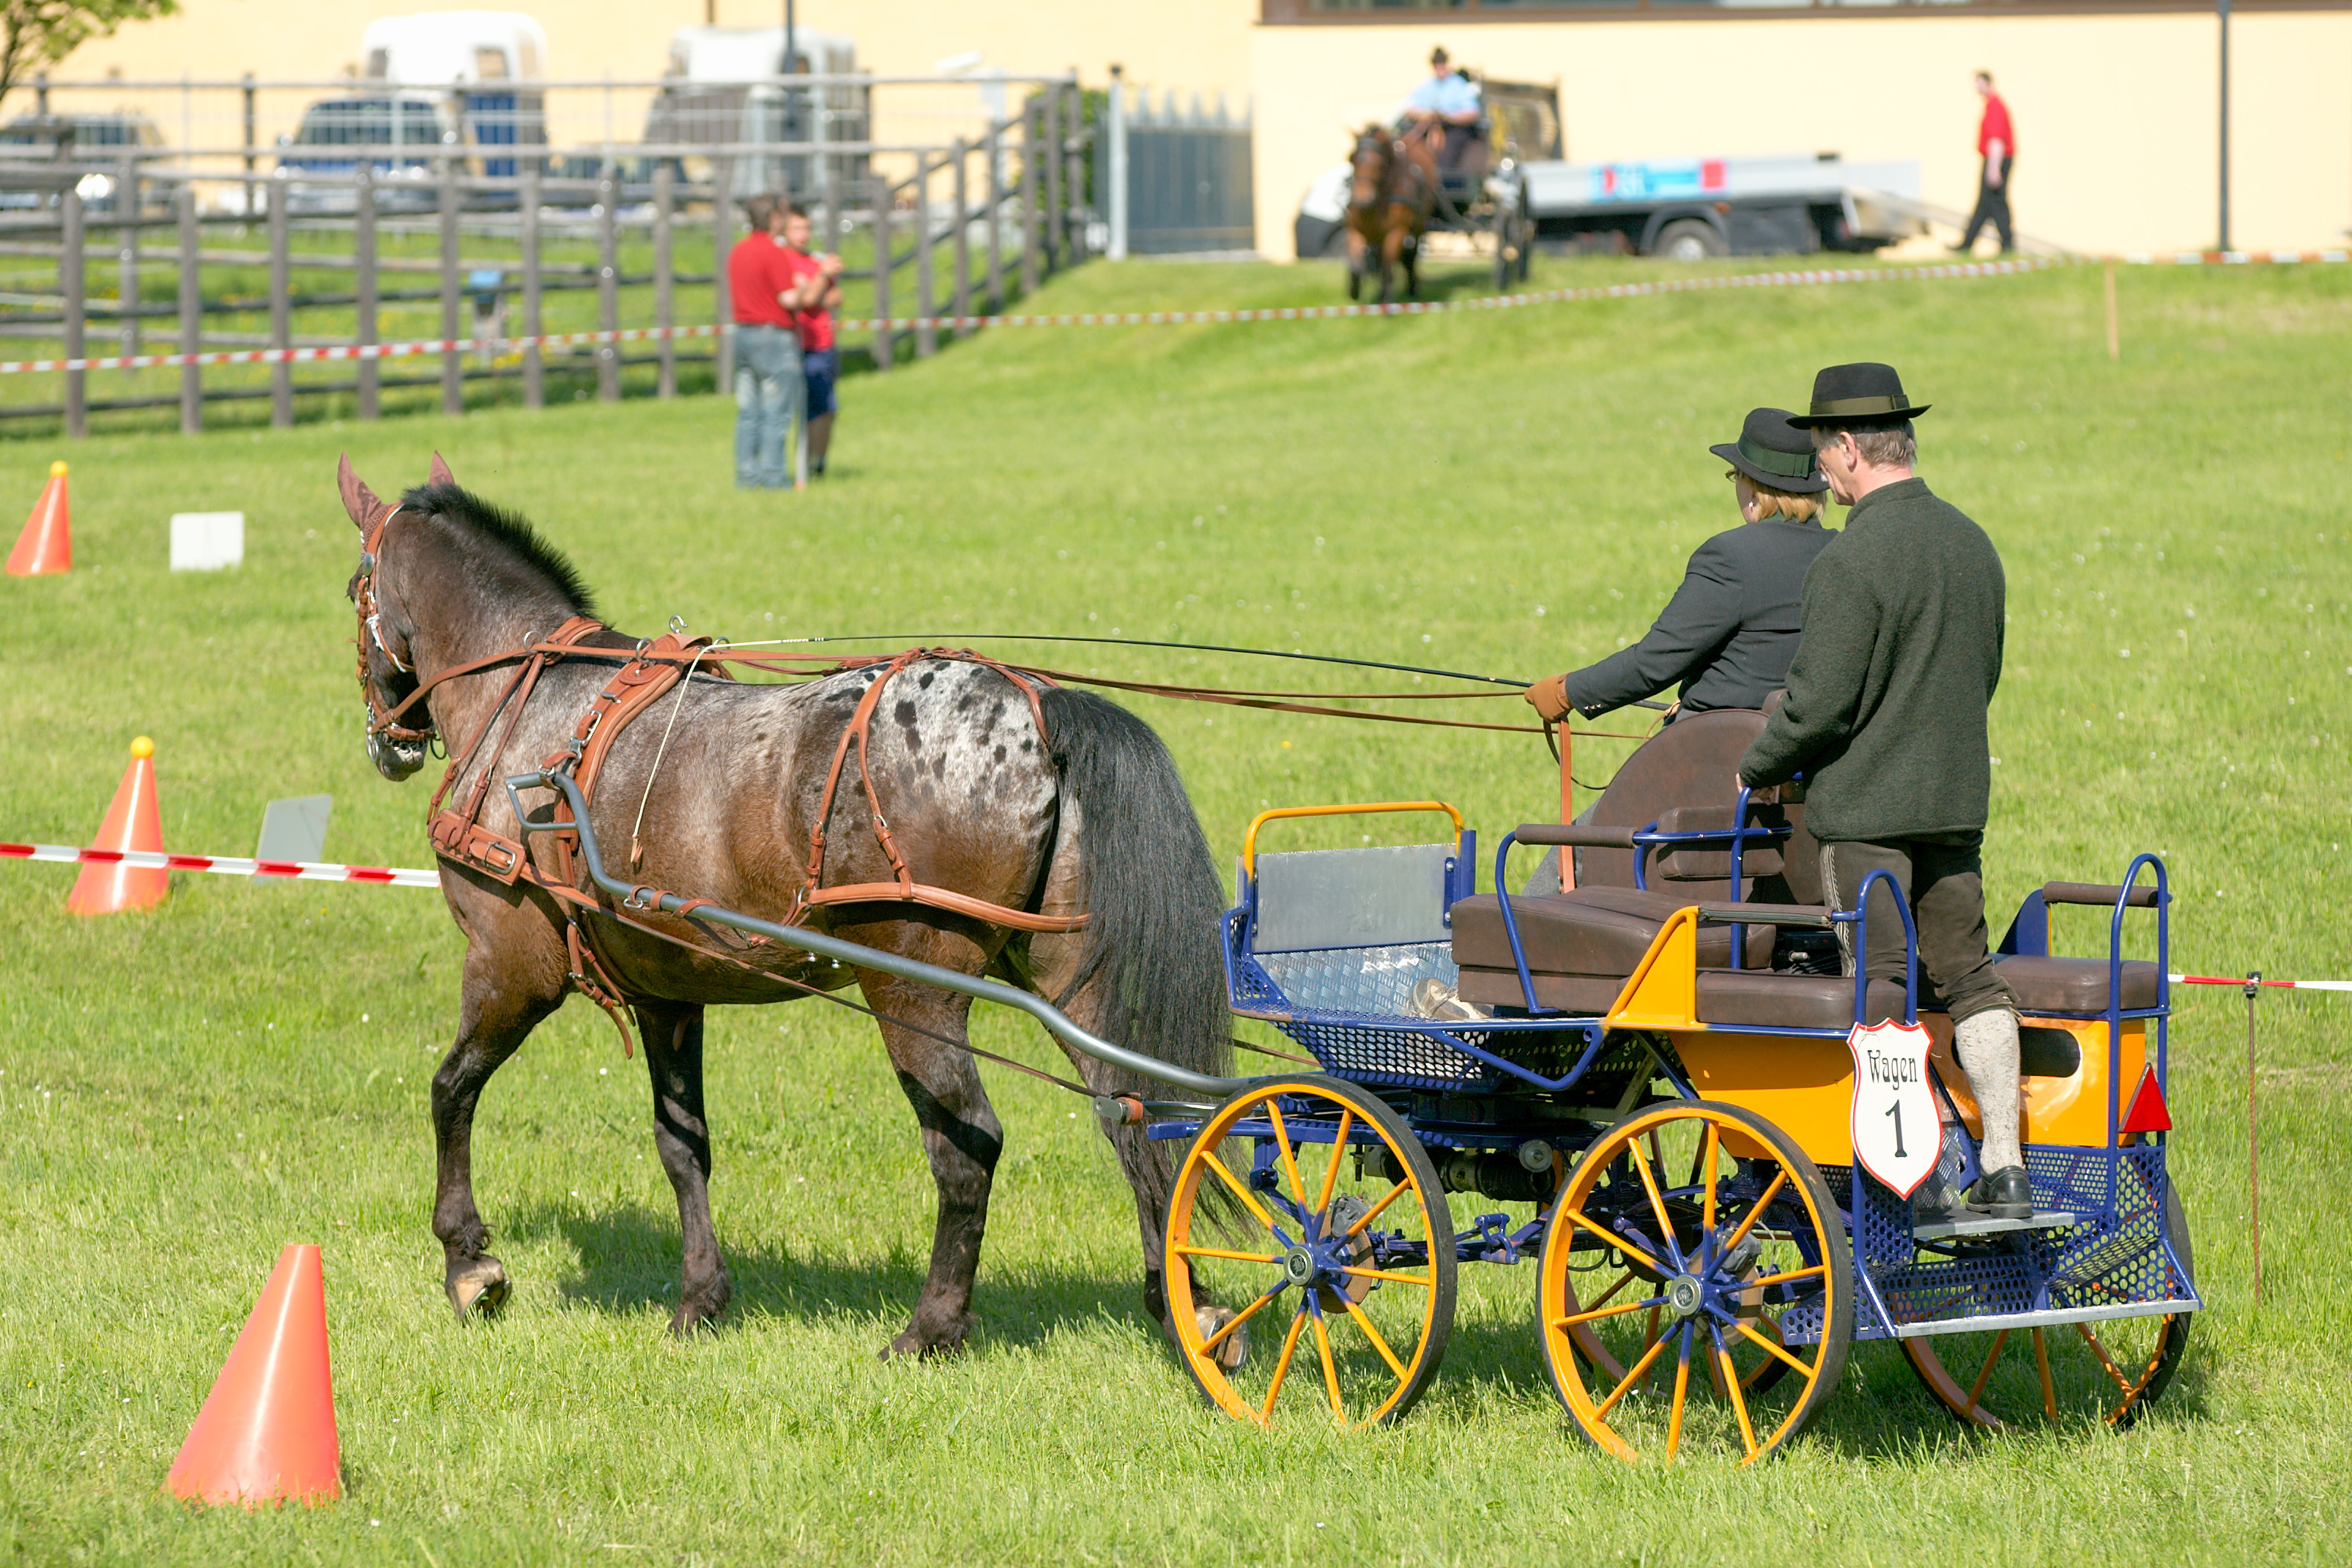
x: 1866, y: 392
x: 1772, y: 452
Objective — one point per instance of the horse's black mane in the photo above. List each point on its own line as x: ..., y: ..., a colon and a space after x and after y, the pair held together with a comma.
x: 511, y: 529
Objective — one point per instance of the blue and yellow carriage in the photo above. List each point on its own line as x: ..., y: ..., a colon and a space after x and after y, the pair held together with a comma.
x: 1646, y: 1091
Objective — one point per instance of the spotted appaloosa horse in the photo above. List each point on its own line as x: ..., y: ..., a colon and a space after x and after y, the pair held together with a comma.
x: 1087, y: 816
x: 1392, y: 191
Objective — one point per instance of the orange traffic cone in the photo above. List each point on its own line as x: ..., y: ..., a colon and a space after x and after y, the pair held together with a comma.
x: 47, y: 543
x: 132, y: 822
x: 267, y: 1429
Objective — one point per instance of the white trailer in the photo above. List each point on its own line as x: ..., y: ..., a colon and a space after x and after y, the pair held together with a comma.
x: 1691, y: 209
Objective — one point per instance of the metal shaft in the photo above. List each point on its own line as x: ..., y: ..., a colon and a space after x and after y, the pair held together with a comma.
x: 852, y: 953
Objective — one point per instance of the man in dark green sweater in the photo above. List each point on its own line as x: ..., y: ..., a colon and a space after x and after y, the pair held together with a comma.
x: 1885, y: 719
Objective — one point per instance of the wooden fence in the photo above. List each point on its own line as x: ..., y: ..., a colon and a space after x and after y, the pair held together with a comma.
x: 571, y: 241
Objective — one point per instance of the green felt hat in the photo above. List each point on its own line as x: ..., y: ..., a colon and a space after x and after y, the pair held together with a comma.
x: 1772, y: 452
x: 1845, y: 393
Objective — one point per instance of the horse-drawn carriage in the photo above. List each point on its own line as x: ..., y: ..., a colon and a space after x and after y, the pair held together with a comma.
x: 1399, y: 186
x: 1662, y: 1081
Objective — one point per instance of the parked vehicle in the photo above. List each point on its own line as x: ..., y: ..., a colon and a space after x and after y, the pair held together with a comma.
x: 65, y: 139
x: 713, y: 95
x: 1692, y: 209
x: 435, y: 80
x: 393, y: 135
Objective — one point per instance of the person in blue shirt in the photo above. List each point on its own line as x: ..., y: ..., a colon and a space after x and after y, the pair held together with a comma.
x: 1445, y: 109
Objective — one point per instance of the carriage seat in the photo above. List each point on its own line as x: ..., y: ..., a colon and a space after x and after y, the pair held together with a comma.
x: 1760, y: 998
x: 2074, y: 985
x: 1580, y: 946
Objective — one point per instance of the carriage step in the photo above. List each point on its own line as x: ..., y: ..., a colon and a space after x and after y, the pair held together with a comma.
x: 1985, y: 1225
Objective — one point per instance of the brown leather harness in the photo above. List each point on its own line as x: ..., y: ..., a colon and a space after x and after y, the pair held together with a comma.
x: 647, y: 672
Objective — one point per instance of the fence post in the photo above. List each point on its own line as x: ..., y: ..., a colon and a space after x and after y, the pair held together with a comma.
x: 126, y: 206
x: 250, y: 160
x: 995, y: 218
x: 927, y: 337
x: 534, y: 358
x: 1029, y: 230
x: 1074, y: 176
x: 364, y: 322
x: 1116, y: 197
x: 281, y: 313
x: 962, y: 302
x: 882, y: 213
x: 453, y: 371
x: 192, y: 311
x: 608, y: 284
x: 664, y: 285
x: 722, y: 240
x: 71, y: 283
x: 1055, y: 191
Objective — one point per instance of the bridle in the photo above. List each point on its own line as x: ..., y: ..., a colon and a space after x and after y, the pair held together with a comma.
x: 384, y: 722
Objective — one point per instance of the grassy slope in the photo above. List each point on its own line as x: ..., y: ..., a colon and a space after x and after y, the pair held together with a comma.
x: 183, y: 1092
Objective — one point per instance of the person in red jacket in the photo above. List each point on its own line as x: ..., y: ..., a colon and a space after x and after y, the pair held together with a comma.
x: 819, y: 278
x: 1996, y: 145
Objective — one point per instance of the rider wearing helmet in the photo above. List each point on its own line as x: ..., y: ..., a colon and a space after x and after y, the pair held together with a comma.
x: 1445, y: 108
x: 1730, y: 630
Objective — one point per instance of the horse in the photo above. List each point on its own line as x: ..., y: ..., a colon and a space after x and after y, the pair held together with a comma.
x: 1390, y: 194
x: 1028, y: 803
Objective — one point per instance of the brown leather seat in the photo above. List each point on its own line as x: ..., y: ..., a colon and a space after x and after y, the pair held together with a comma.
x: 2074, y: 985
x: 1581, y: 947
x: 1754, y: 998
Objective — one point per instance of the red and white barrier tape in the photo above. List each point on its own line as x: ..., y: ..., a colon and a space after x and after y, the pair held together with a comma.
x: 2281, y: 985
x: 1809, y: 277
x: 224, y: 865
x: 410, y: 876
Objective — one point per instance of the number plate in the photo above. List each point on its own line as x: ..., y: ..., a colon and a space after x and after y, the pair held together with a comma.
x: 1897, y: 1132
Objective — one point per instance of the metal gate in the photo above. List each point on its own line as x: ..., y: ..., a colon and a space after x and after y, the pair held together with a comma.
x: 1188, y: 176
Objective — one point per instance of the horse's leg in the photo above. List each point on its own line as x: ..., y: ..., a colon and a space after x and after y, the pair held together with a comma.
x: 962, y: 1137
x: 1391, y: 240
x: 496, y: 1011
x: 673, y: 1036
x: 1355, y: 264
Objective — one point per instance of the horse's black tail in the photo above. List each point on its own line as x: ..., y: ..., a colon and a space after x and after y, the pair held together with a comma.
x: 1152, y: 896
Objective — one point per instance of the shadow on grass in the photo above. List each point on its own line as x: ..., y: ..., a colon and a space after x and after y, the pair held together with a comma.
x: 629, y: 1263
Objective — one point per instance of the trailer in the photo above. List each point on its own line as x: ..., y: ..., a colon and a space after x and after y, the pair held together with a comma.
x: 1696, y: 208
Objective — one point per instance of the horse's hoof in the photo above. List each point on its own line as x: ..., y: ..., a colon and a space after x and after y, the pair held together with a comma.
x: 924, y: 1346
x: 1233, y: 1350
x: 477, y: 1287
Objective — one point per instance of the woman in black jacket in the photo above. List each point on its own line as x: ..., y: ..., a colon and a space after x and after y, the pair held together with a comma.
x: 1728, y: 634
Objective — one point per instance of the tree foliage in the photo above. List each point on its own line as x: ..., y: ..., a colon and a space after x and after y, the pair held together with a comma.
x: 40, y: 33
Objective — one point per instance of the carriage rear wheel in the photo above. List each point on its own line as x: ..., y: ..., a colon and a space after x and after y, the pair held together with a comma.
x: 1696, y: 1286
x: 2107, y: 1371
x: 1310, y: 1257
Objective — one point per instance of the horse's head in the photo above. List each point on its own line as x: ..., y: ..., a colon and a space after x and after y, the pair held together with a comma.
x: 398, y: 732
x: 1374, y: 156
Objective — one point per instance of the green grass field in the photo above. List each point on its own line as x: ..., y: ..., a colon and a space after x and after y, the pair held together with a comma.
x: 183, y: 1092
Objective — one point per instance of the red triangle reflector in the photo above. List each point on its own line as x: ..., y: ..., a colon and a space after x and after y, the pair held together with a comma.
x: 2148, y: 1114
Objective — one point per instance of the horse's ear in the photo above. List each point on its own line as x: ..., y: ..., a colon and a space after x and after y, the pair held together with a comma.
x: 358, y: 499
x: 439, y: 473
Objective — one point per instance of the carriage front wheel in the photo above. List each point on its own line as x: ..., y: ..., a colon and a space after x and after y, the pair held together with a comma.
x: 1310, y: 1257
x: 1696, y: 1286
x: 2106, y: 1371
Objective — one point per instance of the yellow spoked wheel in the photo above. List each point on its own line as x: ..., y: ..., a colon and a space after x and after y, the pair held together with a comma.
x: 1696, y: 1286
x: 1310, y: 1257
x: 2106, y: 1372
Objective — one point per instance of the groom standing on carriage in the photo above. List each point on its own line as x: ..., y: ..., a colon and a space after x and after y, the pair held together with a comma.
x: 1885, y: 720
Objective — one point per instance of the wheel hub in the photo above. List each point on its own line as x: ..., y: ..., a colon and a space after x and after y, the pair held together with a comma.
x: 1299, y: 1266
x: 1684, y: 1295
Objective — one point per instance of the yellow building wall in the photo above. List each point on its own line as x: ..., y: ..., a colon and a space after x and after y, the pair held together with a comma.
x: 2114, y: 116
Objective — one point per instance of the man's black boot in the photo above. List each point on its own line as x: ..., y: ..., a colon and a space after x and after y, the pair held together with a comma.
x: 2004, y: 1194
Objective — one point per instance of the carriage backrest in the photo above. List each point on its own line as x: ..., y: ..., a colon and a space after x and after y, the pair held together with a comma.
x: 1686, y: 778
x: 1310, y: 900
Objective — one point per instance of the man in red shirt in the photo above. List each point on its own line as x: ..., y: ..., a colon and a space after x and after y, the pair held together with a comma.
x: 818, y: 277
x: 1996, y: 145
x: 767, y: 297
